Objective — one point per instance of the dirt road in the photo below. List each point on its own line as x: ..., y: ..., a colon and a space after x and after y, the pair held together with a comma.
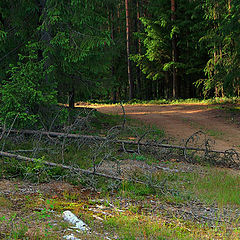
x: 181, y: 121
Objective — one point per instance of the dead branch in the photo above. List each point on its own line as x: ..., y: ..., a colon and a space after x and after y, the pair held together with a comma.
x: 74, y: 169
x: 98, y: 138
x: 51, y: 164
x: 9, y: 131
x: 57, y: 134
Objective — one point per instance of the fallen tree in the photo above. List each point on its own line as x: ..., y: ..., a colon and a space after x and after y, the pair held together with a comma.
x: 75, y: 169
x: 228, y: 158
x: 98, y: 138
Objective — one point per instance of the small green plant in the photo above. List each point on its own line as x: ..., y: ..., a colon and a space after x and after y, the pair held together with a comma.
x: 14, y: 231
x: 2, y: 219
x: 37, y: 171
x: 19, y: 232
x: 44, y: 214
x: 137, y: 157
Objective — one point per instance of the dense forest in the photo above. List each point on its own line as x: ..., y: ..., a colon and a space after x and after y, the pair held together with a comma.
x: 66, y: 51
x: 97, y: 139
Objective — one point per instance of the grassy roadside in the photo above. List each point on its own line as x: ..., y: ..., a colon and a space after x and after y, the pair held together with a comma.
x: 130, y: 213
x: 210, y: 101
x: 118, y: 210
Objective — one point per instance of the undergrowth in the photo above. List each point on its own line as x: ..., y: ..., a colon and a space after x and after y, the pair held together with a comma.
x: 217, y: 100
x: 209, y: 185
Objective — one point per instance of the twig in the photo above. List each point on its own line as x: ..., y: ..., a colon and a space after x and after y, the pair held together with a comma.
x: 9, y: 131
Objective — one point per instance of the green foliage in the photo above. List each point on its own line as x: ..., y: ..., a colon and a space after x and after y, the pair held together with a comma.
x: 222, y: 69
x: 61, y: 47
x: 49, y: 52
x: 157, y: 43
x: 156, y: 60
x: 25, y: 91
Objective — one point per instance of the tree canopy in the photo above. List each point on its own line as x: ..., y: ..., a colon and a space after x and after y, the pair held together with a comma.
x: 66, y: 51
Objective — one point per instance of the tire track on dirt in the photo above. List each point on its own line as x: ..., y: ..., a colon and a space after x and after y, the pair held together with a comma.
x: 181, y: 121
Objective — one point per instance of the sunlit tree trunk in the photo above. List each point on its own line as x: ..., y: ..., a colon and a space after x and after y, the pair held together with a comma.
x: 138, y: 48
x: 174, y: 49
x: 229, y: 6
x: 215, y: 54
x: 111, y: 22
x: 130, y: 80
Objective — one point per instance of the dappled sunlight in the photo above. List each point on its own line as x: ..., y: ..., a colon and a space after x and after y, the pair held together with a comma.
x: 180, y: 121
x: 168, y: 112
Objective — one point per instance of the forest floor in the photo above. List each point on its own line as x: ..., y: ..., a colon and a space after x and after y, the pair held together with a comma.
x: 197, y: 210
x: 221, y: 123
x: 175, y: 199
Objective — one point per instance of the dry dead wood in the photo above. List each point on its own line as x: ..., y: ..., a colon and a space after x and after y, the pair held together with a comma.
x: 51, y: 164
x: 74, y: 169
x: 57, y: 134
x: 98, y: 138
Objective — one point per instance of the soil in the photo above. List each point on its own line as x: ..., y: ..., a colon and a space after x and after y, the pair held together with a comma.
x: 181, y: 121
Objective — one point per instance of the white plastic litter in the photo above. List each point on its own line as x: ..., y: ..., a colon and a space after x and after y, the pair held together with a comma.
x: 71, y: 218
x: 71, y: 237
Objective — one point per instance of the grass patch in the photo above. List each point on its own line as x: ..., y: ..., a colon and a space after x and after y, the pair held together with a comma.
x: 218, y: 186
x: 213, y: 185
x: 135, y: 190
x: 145, y: 227
x: 214, y: 133
x: 217, y: 100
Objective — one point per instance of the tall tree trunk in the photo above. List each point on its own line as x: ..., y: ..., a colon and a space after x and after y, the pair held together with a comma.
x: 174, y: 50
x: 130, y: 80
x: 167, y: 85
x: 215, y: 54
x: 111, y: 26
x: 44, y: 35
x: 138, y: 48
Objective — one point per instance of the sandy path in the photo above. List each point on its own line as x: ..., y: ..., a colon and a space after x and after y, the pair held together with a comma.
x: 181, y: 121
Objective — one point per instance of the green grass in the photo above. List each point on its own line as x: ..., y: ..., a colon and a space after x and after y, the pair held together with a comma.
x: 218, y: 186
x: 209, y: 185
x: 214, y: 133
x: 213, y: 185
x: 135, y: 190
x: 137, y: 226
x: 217, y: 100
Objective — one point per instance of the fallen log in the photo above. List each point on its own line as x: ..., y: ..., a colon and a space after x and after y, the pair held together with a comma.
x: 57, y: 134
x: 84, y: 171
x: 51, y: 164
x: 98, y: 138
